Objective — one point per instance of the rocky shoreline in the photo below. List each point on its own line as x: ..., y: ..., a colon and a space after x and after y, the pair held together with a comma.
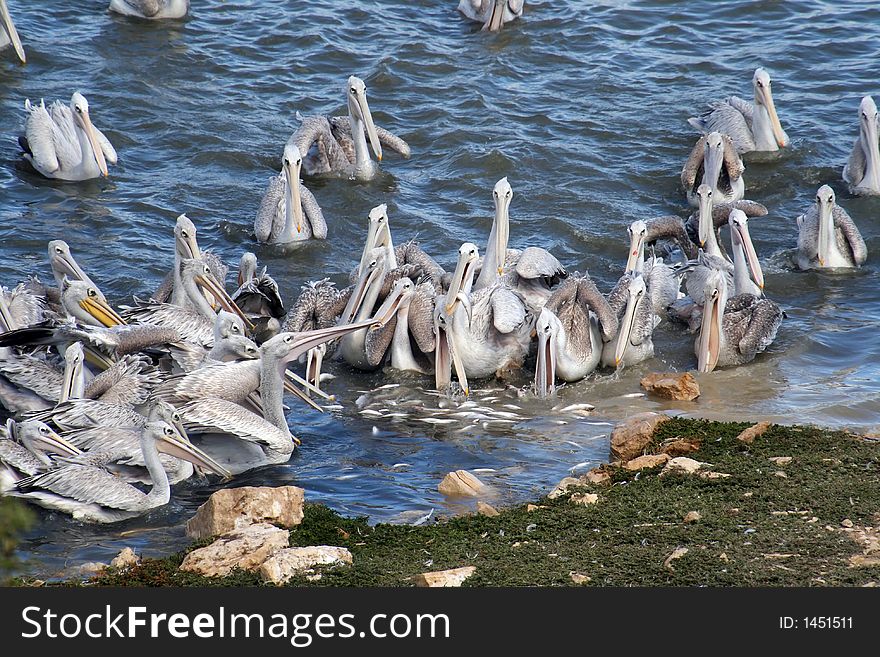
x: 682, y: 503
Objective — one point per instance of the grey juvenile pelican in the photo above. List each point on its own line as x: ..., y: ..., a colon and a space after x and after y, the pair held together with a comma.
x: 828, y: 237
x: 703, y: 226
x: 259, y: 298
x: 91, y: 493
x: 862, y: 170
x: 151, y: 9
x: 751, y: 126
x: 8, y: 33
x: 734, y: 330
x: 289, y: 212
x: 493, y: 14
x: 715, y: 162
x: 662, y: 281
x: 61, y: 142
x: 84, y: 303
x: 631, y: 303
x: 26, y: 449
x: 339, y: 145
x: 571, y: 329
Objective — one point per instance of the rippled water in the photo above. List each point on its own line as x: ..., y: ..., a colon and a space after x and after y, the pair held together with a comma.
x: 583, y: 109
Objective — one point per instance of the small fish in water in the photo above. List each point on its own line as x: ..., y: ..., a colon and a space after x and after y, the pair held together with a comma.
x: 506, y: 414
x: 388, y: 386
x: 579, y: 466
x: 436, y: 420
x: 468, y: 404
x: 333, y: 407
x: 599, y: 424
x: 401, y: 465
x: 572, y: 443
x: 513, y: 407
x: 347, y: 476
x: 376, y: 430
x: 634, y: 394
x: 484, y: 470
x: 370, y: 412
x: 559, y: 422
x: 573, y: 408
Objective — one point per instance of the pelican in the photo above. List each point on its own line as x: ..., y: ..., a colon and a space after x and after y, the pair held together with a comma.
x: 84, y: 303
x: 734, y: 330
x: 8, y: 33
x: 360, y: 306
x: 186, y: 247
x: 63, y: 264
x: 662, y: 281
x: 531, y: 273
x: 715, y: 162
x: 751, y: 126
x: 630, y: 301
x: 703, y: 226
x: 61, y: 142
x: 289, y: 212
x: 259, y: 298
x: 493, y: 14
x: 571, y: 329
x: 91, y: 493
x: 26, y: 448
x: 828, y: 237
x: 338, y: 145
x: 151, y: 9
x: 487, y: 331
x: 862, y: 170
x: 19, y: 308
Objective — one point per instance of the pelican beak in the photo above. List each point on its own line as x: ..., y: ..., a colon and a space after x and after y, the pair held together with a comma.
x: 496, y: 18
x: 314, y: 360
x: 442, y: 360
x: 870, y: 142
x: 545, y: 371
x: 826, y: 230
x: 55, y: 444
x: 306, y: 340
x: 293, y: 378
x: 636, y: 251
x: 357, y: 296
x: 290, y: 387
x: 6, y: 321
x: 502, y: 232
x: 453, y: 294
x: 210, y: 285
x: 778, y: 132
x: 704, y: 223
x: 714, y: 160
x: 710, y: 334
x: 389, y: 307
x: 96, y: 358
x: 366, y: 115
x: 294, y: 197
x: 96, y: 146
x: 67, y: 266
x: 458, y: 364
x: 101, y: 311
x: 9, y: 26
x: 71, y: 384
x: 752, y: 257
x: 624, y: 336
x: 175, y: 445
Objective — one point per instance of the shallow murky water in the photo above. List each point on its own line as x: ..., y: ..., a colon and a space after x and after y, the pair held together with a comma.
x: 583, y: 110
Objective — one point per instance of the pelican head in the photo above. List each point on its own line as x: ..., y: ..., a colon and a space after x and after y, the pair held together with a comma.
x: 64, y: 264
x: 825, y: 200
x: 636, y: 292
x: 197, y: 274
x: 87, y: 304
x: 501, y: 195
x: 247, y: 268
x: 291, y: 166
x: 462, y: 278
x: 704, y: 208
x: 764, y: 98
x: 227, y: 325
x: 446, y: 352
x: 185, y: 244
x: 373, y: 270
x: 638, y: 231
x: 40, y: 439
x: 713, y: 159
x: 740, y: 239
x: 169, y: 441
x: 547, y: 328
x: 869, y: 126
x: 401, y: 294
x: 359, y: 110
x: 80, y: 108
x: 8, y: 26
x: 378, y: 234
x: 709, y: 340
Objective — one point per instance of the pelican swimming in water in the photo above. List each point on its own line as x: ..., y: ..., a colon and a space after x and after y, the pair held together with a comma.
x: 703, y: 226
x: 8, y: 33
x: 259, y: 298
x: 828, y: 237
x: 733, y: 330
x: 751, y: 126
x: 151, y: 9
x: 571, y: 329
x: 715, y: 162
x: 631, y: 303
x: 289, y: 212
x: 662, y: 282
x: 91, y: 493
x: 493, y: 14
x: 61, y: 141
x: 862, y: 170
x: 339, y: 145
x: 26, y: 448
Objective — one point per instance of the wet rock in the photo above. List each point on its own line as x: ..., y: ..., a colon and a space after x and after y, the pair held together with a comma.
x: 246, y: 548
x: 647, y: 461
x: 85, y: 570
x: 709, y: 474
x: 487, y: 510
x: 864, y: 560
x: 846, y: 522
x: 692, y: 516
x: 438, y: 578
x: 234, y: 508
x: 533, y: 507
x: 579, y: 578
x: 563, y: 486
x: 597, y: 477
x: 125, y: 558
x: 780, y: 474
x: 680, y: 447
x: 289, y: 562
x: 630, y: 438
x: 584, y: 499
x: 671, y: 385
x: 748, y: 436
x: 461, y: 483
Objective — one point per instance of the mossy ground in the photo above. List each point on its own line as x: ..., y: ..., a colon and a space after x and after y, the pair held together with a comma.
x: 742, y: 538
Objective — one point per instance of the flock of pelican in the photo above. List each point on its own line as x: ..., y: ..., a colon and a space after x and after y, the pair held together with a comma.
x: 192, y: 380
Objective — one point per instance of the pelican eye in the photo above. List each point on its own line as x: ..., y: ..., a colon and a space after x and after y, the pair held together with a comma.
x: 59, y: 250
x: 298, y: 162
x: 78, y: 109
x: 169, y: 431
x: 44, y: 431
x: 206, y: 270
x: 184, y: 234
x: 175, y: 417
x: 286, y: 162
x: 234, y: 328
x: 353, y: 91
x: 92, y: 292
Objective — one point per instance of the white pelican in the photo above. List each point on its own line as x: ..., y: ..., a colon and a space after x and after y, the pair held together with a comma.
x: 734, y: 330
x: 630, y: 301
x: 151, y: 9
x: 493, y: 14
x: 8, y: 33
x: 862, y: 170
x: 715, y: 162
x: 85, y: 303
x: 26, y: 449
x: 751, y: 126
x: 289, y: 212
x: 61, y: 142
x: 338, y: 144
x: 91, y: 493
x: 828, y: 237
x: 571, y: 329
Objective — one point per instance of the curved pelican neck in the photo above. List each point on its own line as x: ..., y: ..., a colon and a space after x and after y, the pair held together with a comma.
x: 272, y: 391
x: 161, y: 492
x: 198, y: 300
x: 489, y: 273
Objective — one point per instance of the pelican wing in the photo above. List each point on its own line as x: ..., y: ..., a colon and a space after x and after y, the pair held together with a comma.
x: 313, y: 213
x: 318, y: 306
x: 189, y: 324
x: 731, y: 117
x: 855, y: 243
x: 25, y: 307
x: 421, y: 317
x: 84, y: 413
x: 764, y: 319
x: 143, y: 8
x: 260, y: 296
x: 663, y: 284
x: 32, y: 373
x: 854, y: 170
x: 343, y: 124
x: 732, y: 161
x: 18, y: 457
x: 535, y: 262
x: 211, y: 415
x: 508, y: 309
x: 671, y: 227
x: 45, y: 142
x: 315, y: 130
x: 618, y: 295
x: 129, y: 381
x: 411, y: 253
x: 163, y: 292
x: 272, y: 208
x: 377, y: 340
x: 589, y: 298
x: 693, y: 166
x: 109, y: 152
x: 232, y: 381
x: 88, y: 484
